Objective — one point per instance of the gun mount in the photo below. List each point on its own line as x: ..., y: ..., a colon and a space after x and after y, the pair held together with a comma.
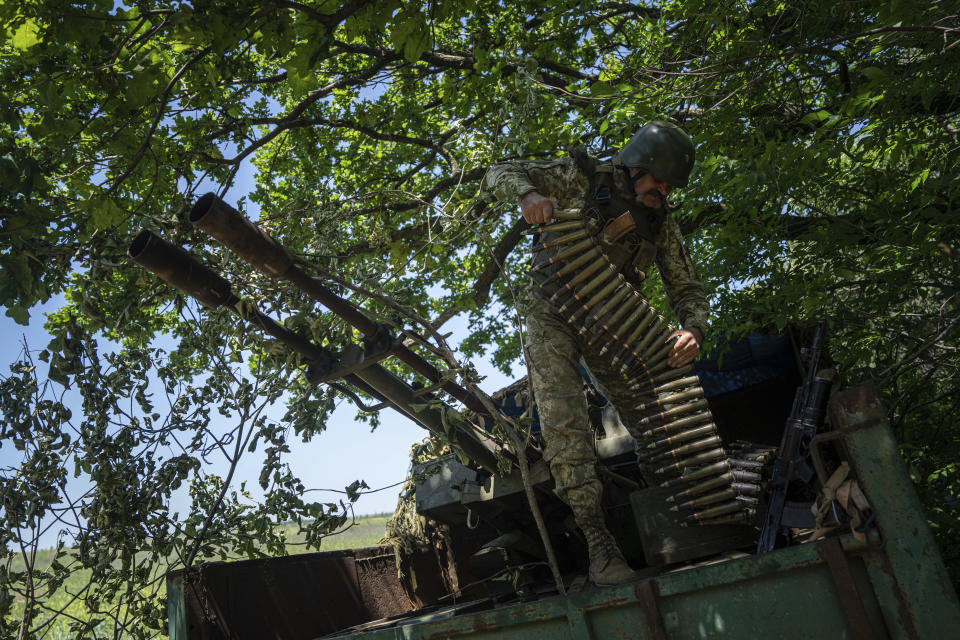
x: 486, y: 573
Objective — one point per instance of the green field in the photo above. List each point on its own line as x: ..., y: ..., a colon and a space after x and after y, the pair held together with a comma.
x: 366, y: 532
x: 66, y: 604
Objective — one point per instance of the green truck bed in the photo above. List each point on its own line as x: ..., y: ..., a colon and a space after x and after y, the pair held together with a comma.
x: 893, y: 584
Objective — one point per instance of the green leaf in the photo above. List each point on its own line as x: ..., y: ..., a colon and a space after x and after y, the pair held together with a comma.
x: 19, y: 314
x: 874, y: 74
x: 602, y: 89
x: 815, y: 117
x: 105, y: 213
x: 411, y: 36
x: 26, y: 36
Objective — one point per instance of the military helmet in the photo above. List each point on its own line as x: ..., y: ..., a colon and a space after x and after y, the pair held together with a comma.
x: 663, y: 149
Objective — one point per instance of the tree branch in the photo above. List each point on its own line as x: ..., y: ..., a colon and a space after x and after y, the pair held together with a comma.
x: 481, y: 290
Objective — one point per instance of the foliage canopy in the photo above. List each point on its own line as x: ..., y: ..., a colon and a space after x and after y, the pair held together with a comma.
x: 828, y: 137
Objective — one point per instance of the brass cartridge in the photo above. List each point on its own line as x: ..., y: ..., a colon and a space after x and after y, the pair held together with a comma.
x: 562, y: 240
x: 676, y: 425
x: 687, y: 449
x: 583, y: 274
x: 712, y: 482
x: 675, y: 398
x: 604, y: 276
x: 663, y: 416
x: 566, y: 254
x: 698, y: 474
x: 683, y: 436
x: 720, y: 510
x: 710, y: 498
x: 556, y: 227
x: 689, y: 463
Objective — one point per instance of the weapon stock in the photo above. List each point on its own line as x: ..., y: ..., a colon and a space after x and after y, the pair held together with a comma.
x: 806, y: 418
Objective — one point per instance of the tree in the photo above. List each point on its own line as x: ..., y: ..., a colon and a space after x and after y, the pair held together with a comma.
x: 827, y: 136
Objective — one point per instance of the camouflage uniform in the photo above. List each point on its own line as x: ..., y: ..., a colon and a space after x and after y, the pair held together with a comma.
x: 554, y: 350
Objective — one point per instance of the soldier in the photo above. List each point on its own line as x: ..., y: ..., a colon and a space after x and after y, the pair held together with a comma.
x: 627, y: 194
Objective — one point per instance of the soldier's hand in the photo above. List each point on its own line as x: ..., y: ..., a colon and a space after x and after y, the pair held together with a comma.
x: 536, y: 209
x: 686, y: 348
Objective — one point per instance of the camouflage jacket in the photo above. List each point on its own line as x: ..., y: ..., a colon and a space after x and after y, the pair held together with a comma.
x: 564, y: 182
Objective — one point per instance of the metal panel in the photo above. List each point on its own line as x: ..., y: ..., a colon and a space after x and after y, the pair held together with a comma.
x: 295, y: 597
x: 176, y: 610
x: 775, y: 595
x: 924, y: 603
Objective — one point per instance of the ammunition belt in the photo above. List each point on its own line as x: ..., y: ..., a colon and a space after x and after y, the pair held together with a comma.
x: 677, y: 441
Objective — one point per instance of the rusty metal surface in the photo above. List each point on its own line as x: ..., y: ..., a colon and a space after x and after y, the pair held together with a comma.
x: 178, y: 268
x: 241, y: 236
x: 921, y: 600
x: 383, y: 595
x: 648, y: 597
x: 850, y: 599
x: 290, y: 598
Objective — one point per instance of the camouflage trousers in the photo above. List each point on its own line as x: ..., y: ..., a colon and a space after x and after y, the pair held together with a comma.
x: 553, y: 356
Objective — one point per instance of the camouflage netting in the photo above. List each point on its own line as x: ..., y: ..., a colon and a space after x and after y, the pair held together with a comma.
x: 406, y: 531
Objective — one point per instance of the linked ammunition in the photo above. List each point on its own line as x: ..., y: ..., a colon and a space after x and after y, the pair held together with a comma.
x: 604, y: 276
x: 682, y: 410
x: 680, y: 433
x: 618, y: 296
x: 590, y: 270
x: 675, y: 398
x: 562, y: 240
x: 575, y: 265
x: 661, y: 353
x: 649, y: 316
x: 625, y: 308
x: 687, y: 449
x: 703, y: 501
x: 625, y: 326
x: 657, y: 334
x: 566, y: 254
x: 676, y: 425
x: 599, y: 296
x: 689, y: 463
x: 720, y: 510
x: 722, y: 480
x: 683, y: 436
x: 556, y: 227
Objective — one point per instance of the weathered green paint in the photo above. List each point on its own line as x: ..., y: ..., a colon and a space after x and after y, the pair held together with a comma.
x: 785, y: 594
x: 176, y: 609
x: 790, y: 593
x: 918, y: 598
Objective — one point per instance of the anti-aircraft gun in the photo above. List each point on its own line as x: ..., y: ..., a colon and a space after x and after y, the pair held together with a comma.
x: 505, y: 559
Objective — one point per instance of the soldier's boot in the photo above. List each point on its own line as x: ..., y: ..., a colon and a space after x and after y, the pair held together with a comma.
x: 607, y: 564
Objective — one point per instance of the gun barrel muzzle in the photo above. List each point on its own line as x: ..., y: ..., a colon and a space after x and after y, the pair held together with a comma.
x: 241, y: 236
x: 175, y: 266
